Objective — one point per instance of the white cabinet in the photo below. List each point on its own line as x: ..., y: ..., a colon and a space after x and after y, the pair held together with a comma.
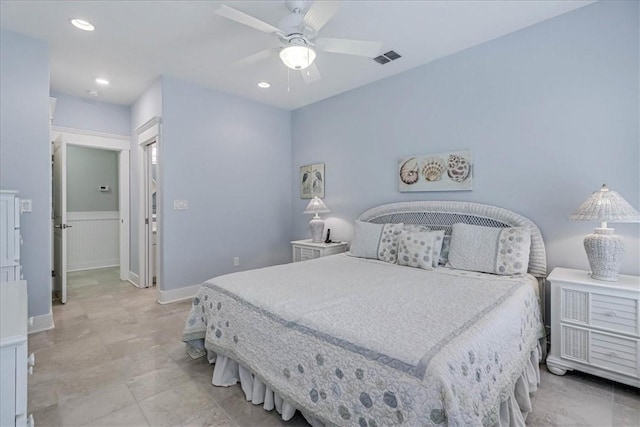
x: 14, y: 362
x: 10, y: 240
x: 595, y: 326
x: 306, y: 249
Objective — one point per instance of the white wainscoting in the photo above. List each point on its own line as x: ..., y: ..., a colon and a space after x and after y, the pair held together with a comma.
x: 93, y: 241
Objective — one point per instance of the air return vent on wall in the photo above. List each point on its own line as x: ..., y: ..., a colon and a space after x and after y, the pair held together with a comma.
x: 387, y: 57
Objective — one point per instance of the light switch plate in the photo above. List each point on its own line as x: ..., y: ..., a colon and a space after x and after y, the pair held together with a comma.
x: 180, y: 205
x: 25, y: 205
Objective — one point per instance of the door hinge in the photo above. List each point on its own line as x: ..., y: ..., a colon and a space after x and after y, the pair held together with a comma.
x: 146, y: 221
x: 53, y: 273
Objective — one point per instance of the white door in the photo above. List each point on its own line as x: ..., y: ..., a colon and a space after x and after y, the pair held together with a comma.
x: 60, y: 219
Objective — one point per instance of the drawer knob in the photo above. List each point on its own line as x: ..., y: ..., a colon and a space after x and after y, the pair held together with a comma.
x: 613, y: 354
x: 610, y: 313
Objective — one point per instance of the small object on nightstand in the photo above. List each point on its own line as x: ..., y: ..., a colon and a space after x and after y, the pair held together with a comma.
x: 328, y: 239
x: 307, y: 249
x: 316, y: 206
x: 605, y: 249
x: 595, y: 326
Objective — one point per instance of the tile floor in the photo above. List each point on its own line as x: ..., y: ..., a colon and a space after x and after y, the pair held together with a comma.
x: 115, y: 359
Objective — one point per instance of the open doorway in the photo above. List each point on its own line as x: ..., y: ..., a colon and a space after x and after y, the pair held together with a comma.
x: 111, y: 225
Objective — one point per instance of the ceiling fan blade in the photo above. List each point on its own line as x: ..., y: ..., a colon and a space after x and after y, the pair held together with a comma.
x: 311, y: 74
x: 245, y: 19
x: 319, y: 13
x: 255, y: 58
x: 350, y: 47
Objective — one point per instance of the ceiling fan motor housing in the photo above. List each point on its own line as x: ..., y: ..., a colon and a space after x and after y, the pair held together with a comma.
x: 293, y: 23
x: 296, y: 6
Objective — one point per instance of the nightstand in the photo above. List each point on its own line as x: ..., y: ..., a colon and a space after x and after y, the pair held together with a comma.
x: 595, y: 326
x: 306, y: 249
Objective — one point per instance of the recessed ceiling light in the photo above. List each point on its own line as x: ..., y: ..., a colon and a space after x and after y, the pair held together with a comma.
x: 93, y: 93
x: 83, y: 25
x: 264, y: 85
x: 101, y: 81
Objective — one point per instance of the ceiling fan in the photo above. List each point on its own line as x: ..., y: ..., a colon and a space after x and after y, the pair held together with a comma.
x: 298, y: 32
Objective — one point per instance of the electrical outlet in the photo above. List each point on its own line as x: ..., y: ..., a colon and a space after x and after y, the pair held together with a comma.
x: 236, y: 261
x: 180, y: 205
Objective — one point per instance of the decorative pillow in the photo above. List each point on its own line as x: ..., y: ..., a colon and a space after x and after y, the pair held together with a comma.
x: 415, y: 249
x: 388, y: 247
x: 444, y: 252
x: 503, y: 251
x: 366, y: 239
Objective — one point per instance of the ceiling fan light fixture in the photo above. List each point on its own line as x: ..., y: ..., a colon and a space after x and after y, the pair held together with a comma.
x: 297, y: 57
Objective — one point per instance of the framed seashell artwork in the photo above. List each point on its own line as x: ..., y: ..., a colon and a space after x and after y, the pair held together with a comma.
x: 312, y: 181
x: 450, y: 171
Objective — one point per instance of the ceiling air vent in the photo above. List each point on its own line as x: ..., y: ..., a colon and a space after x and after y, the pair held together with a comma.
x: 387, y: 57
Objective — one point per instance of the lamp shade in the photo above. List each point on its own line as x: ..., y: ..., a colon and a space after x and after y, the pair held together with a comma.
x: 297, y: 57
x: 316, y: 206
x: 606, y: 205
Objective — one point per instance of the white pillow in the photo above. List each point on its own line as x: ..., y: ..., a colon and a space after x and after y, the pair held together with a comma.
x: 415, y: 249
x: 366, y: 239
x: 503, y: 251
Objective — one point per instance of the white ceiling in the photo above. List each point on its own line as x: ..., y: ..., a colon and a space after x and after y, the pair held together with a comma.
x: 137, y: 41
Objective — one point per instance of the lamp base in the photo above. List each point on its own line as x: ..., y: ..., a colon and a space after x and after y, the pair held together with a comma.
x: 604, y: 252
x: 317, y: 228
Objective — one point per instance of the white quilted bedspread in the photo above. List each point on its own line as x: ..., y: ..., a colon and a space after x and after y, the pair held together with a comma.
x: 353, y: 341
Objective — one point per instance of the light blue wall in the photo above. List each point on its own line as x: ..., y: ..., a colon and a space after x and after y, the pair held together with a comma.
x: 146, y: 107
x: 230, y: 158
x: 91, y: 114
x: 87, y: 170
x: 25, y: 154
x: 550, y: 113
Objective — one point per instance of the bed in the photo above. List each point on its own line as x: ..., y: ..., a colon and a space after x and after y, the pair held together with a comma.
x: 360, y: 340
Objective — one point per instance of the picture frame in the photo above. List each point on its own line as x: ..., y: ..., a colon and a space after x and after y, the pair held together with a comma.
x: 312, y: 181
x: 448, y: 171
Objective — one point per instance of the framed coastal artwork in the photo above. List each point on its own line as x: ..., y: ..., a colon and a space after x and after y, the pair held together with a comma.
x: 450, y: 171
x: 312, y: 181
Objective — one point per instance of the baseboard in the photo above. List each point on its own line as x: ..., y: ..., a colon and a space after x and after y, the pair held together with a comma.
x: 175, y: 295
x: 93, y: 265
x: 41, y: 323
x: 135, y: 279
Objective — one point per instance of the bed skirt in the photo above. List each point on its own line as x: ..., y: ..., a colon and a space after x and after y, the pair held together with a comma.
x: 513, y: 410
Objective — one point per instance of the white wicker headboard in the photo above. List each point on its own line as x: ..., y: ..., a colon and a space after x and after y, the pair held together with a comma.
x: 441, y: 215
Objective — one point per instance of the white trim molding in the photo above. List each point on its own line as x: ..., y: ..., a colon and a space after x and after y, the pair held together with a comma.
x: 134, y: 279
x: 148, y: 133
x: 41, y: 323
x: 176, y: 295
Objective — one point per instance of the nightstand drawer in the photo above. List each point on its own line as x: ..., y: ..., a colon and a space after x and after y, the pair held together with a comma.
x: 308, y: 253
x: 614, y: 313
x: 614, y: 353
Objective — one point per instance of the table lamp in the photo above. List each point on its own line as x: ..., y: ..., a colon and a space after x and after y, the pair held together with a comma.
x: 316, y: 206
x: 605, y: 249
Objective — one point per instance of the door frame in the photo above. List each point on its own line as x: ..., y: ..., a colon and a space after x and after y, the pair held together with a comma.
x: 145, y: 135
x: 111, y: 142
